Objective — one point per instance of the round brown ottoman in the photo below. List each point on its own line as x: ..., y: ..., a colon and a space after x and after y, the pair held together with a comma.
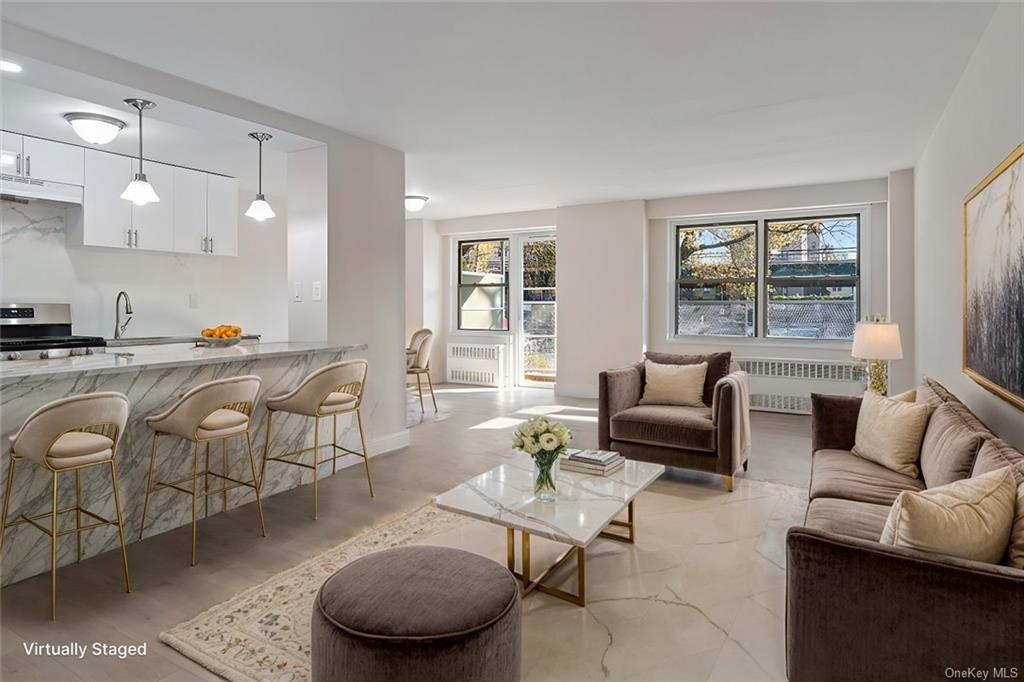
x: 413, y: 614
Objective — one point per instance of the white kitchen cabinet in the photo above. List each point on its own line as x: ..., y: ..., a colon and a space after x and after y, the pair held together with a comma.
x: 104, y: 218
x: 11, y: 150
x: 222, y: 215
x: 53, y: 161
x: 153, y: 224
x: 189, y: 211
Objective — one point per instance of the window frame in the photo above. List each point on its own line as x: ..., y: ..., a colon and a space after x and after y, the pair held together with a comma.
x: 866, y: 212
x: 677, y: 280
x: 506, y: 286
x: 767, y: 280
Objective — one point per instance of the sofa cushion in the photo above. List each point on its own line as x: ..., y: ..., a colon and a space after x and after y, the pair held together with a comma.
x: 889, y: 432
x: 861, y: 520
x: 995, y: 454
x: 934, y: 393
x: 844, y: 475
x: 951, y: 443
x: 671, y: 425
x: 718, y: 367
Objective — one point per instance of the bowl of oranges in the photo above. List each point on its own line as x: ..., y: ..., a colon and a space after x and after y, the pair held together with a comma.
x: 221, y: 335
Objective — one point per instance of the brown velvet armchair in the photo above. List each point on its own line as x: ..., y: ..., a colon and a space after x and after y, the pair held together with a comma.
x: 699, y: 438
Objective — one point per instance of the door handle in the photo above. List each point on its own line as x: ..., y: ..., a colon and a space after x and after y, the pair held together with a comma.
x: 28, y: 165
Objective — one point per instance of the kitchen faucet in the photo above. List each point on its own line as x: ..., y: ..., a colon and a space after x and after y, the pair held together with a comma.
x: 118, y: 327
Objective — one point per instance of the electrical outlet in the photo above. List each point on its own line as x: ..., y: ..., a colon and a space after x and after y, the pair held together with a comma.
x: 317, y: 291
x: 297, y: 292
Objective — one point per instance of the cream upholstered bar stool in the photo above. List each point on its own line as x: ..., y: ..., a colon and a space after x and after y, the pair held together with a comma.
x: 65, y: 436
x: 215, y: 411
x: 418, y: 353
x: 330, y: 391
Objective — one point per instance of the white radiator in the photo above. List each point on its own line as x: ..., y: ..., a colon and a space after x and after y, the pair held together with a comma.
x: 475, y: 363
x: 780, y: 385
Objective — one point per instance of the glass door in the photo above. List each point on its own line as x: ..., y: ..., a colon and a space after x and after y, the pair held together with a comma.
x: 537, y: 328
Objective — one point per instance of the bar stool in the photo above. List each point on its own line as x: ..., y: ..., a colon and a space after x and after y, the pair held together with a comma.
x: 66, y: 436
x: 419, y: 362
x: 214, y: 411
x: 331, y: 391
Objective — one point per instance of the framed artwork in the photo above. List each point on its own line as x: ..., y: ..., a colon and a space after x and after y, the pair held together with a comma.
x: 993, y: 343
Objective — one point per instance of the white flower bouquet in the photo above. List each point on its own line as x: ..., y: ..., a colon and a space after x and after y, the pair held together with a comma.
x: 544, y: 441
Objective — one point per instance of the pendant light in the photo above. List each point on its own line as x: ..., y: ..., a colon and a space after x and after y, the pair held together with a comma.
x: 259, y: 209
x: 139, y: 191
x: 94, y: 128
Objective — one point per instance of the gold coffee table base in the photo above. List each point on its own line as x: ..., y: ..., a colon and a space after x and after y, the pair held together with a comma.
x: 531, y: 584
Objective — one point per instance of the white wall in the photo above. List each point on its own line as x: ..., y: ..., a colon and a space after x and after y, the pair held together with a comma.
x: 601, y: 279
x: 983, y: 122
x: 366, y: 234
x: 902, y: 375
x: 425, y: 294
x: 307, y: 243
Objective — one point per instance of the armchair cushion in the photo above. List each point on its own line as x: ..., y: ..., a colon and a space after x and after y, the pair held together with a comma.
x: 667, y: 425
x: 843, y: 475
x: 718, y: 367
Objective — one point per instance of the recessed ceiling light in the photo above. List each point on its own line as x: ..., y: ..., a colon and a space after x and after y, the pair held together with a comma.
x: 415, y: 202
x: 9, y: 67
x: 95, y: 128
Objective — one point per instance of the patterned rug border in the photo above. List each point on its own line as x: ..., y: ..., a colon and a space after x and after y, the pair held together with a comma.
x: 215, y: 665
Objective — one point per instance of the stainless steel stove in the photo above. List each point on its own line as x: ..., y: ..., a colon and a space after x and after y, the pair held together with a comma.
x: 41, y: 331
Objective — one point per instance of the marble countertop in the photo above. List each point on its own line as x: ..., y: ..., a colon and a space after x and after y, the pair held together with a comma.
x: 585, y: 502
x: 155, y: 357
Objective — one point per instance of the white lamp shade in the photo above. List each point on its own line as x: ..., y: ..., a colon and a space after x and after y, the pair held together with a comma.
x: 415, y: 203
x: 877, y: 341
x: 259, y: 209
x: 140, y: 192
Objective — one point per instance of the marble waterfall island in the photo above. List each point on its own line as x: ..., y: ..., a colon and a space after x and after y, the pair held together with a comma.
x: 152, y: 377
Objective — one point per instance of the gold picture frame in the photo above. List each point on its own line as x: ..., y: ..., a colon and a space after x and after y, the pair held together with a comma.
x: 993, y: 223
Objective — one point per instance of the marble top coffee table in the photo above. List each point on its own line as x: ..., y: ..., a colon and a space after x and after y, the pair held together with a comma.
x: 587, y: 505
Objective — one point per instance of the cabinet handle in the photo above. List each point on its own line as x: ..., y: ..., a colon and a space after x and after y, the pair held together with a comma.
x: 136, y: 239
x: 211, y: 244
x: 202, y: 244
x: 17, y: 164
x: 129, y: 238
x: 28, y: 166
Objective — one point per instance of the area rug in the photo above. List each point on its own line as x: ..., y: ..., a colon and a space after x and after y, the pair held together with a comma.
x: 702, y: 593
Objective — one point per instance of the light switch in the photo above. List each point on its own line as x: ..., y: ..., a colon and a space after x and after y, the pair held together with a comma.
x: 193, y: 301
x: 317, y: 291
x: 297, y: 292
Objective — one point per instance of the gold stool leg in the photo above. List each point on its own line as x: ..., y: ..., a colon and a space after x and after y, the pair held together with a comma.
x: 149, y: 486
x: 78, y: 515
x: 224, y: 470
x: 366, y: 453
x: 256, y: 489
x: 206, y: 482
x: 433, y: 397
x: 195, y: 491
x: 419, y: 388
x: 266, y: 448
x: 120, y: 526
x: 316, y: 466
x: 7, y: 502
x: 334, y: 450
x: 53, y: 552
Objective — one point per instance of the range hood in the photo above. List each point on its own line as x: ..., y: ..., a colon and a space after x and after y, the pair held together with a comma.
x: 16, y: 188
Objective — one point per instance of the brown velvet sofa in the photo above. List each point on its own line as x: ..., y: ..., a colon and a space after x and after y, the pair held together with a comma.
x: 858, y: 610
x: 697, y: 438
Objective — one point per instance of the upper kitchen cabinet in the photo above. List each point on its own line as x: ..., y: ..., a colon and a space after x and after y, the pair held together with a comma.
x: 153, y: 224
x: 12, y: 147
x: 222, y: 215
x: 104, y: 218
x: 190, y: 211
x: 53, y: 161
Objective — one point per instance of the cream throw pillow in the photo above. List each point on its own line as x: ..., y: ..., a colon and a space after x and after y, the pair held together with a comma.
x: 889, y: 432
x: 1015, y: 554
x: 969, y: 519
x: 908, y: 396
x: 674, y: 384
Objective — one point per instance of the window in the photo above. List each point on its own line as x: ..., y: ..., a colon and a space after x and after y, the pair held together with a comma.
x: 812, y: 275
x: 483, y: 285
x: 808, y: 279
x: 716, y: 283
x: 539, y: 311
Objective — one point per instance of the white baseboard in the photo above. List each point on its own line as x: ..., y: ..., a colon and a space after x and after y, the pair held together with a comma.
x: 576, y: 390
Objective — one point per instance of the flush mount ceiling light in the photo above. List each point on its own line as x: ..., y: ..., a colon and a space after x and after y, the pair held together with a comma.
x: 95, y: 128
x: 259, y: 209
x: 9, y: 67
x: 415, y: 202
x: 139, y: 191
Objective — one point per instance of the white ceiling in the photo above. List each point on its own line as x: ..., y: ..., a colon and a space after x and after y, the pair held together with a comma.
x: 505, y: 107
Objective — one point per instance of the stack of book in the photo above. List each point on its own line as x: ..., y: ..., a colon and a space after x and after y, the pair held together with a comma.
x: 597, y: 462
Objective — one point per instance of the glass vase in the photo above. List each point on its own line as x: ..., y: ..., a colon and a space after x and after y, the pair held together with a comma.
x: 545, y: 472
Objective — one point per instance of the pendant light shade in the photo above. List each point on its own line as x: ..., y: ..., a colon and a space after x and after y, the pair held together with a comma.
x: 260, y: 209
x: 139, y: 191
x: 94, y: 128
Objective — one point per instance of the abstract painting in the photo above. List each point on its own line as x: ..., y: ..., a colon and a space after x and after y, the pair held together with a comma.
x: 994, y: 280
